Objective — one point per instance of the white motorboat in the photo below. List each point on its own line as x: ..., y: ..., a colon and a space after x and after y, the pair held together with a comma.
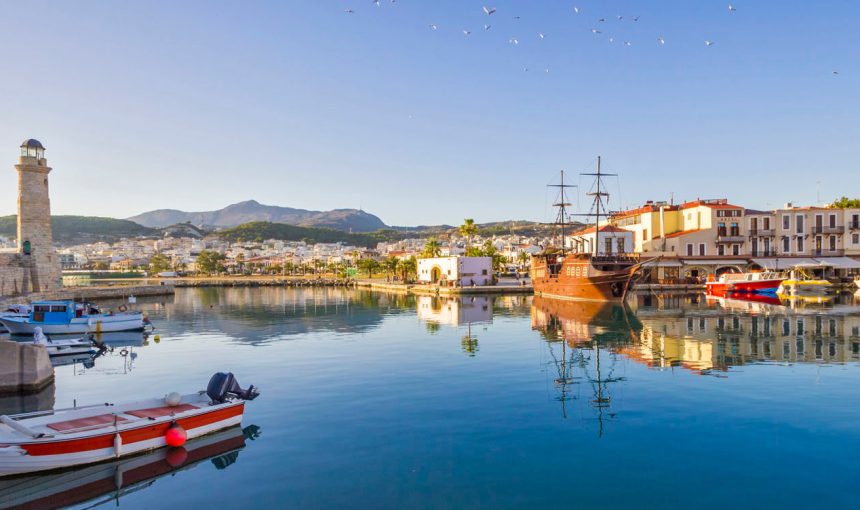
x: 78, y: 436
x: 16, y: 311
x: 70, y: 318
x: 64, y: 346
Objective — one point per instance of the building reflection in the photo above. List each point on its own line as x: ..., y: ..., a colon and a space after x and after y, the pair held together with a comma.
x: 455, y: 311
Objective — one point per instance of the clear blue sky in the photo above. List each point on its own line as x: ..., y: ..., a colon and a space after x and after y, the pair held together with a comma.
x: 196, y: 105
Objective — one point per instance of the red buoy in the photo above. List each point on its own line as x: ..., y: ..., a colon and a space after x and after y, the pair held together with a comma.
x: 175, y: 436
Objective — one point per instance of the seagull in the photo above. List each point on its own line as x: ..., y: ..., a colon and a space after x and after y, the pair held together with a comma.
x: 635, y: 18
x: 611, y: 39
x: 546, y: 70
x: 627, y: 43
x: 487, y: 27
x: 526, y: 69
x: 709, y: 43
x: 576, y: 9
x: 835, y: 72
x: 732, y: 8
x: 516, y: 17
x: 540, y: 34
x: 489, y: 10
x: 376, y: 2
x: 602, y: 20
x: 661, y: 40
x: 433, y: 27
x: 349, y: 11
x: 620, y: 18
x: 595, y: 31
x: 514, y: 40
x: 467, y: 32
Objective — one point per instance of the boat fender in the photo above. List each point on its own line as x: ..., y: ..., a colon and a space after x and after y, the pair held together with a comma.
x: 117, y: 444
x: 123, y: 352
x: 175, y: 435
x: 122, y: 308
x: 173, y: 399
x: 176, y: 457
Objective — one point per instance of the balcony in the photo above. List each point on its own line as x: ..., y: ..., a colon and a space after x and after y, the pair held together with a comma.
x: 854, y: 225
x: 828, y: 230
x: 828, y: 253
x: 764, y: 253
x: 724, y: 239
x: 764, y: 232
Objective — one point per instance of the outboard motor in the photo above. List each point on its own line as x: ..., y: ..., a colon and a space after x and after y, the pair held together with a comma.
x: 223, y: 387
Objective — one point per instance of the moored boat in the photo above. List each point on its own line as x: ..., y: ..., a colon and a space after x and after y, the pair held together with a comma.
x: 62, y: 438
x: 62, y: 346
x: 70, y: 318
x: 753, y: 282
x: 592, y: 270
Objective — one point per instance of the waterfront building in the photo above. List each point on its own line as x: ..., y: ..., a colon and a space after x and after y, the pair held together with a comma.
x: 459, y: 271
x: 454, y: 311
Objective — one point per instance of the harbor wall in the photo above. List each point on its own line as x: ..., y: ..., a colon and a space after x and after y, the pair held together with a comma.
x: 24, y: 368
x: 95, y: 293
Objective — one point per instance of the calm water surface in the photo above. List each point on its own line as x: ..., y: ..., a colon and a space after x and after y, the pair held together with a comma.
x: 384, y: 401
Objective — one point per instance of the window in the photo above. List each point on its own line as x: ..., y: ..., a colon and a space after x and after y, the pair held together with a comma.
x: 785, y: 246
x: 58, y: 308
x: 644, y: 234
x: 855, y: 238
x: 484, y: 272
x: 41, y: 308
x: 765, y: 223
x: 735, y: 231
x: 735, y: 249
x: 799, y: 223
x: 753, y: 224
x: 689, y: 249
x: 721, y: 229
x: 799, y: 245
x: 620, y: 245
x: 799, y: 327
x: 832, y: 243
x: 767, y: 246
x: 607, y: 246
x: 702, y: 249
x: 832, y: 221
x: 786, y: 222
x: 721, y: 250
x: 855, y: 221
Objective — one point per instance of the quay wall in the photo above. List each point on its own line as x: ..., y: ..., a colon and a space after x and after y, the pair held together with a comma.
x: 95, y: 293
x: 24, y: 368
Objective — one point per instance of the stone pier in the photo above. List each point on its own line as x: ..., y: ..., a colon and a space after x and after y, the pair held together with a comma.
x: 24, y: 368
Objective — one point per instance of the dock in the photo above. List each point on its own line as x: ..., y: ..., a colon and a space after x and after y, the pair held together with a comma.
x: 94, y: 293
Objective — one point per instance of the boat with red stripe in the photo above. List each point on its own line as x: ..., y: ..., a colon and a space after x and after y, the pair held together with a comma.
x: 753, y: 282
x: 61, y: 438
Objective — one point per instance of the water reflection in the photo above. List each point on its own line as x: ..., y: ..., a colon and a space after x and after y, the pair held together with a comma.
x: 110, y: 482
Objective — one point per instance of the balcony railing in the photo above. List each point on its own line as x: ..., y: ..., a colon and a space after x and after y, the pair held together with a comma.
x: 828, y: 230
x: 763, y: 232
x: 828, y: 253
x: 730, y: 239
x: 764, y: 253
x: 854, y: 225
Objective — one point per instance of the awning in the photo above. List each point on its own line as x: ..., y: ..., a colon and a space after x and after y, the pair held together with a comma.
x: 839, y: 262
x: 663, y: 263
x: 778, y: 263
x: 716, y: 262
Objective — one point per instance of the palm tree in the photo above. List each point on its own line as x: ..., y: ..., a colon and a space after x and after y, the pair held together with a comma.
x: 432, y: 248
x: 523, y: 257
x: 467, y: 230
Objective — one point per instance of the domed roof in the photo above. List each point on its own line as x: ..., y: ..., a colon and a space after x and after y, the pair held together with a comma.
x: 32, y: 143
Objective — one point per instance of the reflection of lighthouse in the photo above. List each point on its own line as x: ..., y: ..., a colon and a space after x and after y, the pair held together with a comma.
x: 455, y: 311
x: 35, y: 240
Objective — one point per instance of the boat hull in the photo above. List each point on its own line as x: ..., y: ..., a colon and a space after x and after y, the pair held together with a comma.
x: 77, y: 326
x: 577, y: 278
x: 59, y: 452
x: 761, y: 286
x: 611, y: 288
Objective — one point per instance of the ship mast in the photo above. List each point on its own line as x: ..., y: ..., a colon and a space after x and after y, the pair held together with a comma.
x: 598, y: 204
x: 562, y: 205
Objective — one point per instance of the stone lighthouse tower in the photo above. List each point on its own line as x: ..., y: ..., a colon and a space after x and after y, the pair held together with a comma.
x: 35, y: 241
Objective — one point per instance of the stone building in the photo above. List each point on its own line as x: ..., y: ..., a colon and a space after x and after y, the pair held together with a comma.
x: 34, y: 265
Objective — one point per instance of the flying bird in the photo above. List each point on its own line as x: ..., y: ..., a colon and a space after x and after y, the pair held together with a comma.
x: 595, y: 31
x: 514, y: 40
x: 612, y: 39
x: 433, y: 27
x: 349, y: 11
x: 709, y: 43
x: 540, y: 34
x: 467, y: 32
x: 601, y: 20
x: 376, y: 2
x: 835, y: 72
x: 620, y: 18
x: 487, y: 27
x: 576, y: 9
x: 489, y: 10
x: 661, y: 40
x: 732, y: 8
x: 627, y: 43
x: 635, y: 18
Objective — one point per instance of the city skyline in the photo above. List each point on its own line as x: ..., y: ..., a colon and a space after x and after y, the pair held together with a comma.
x: 309, y: 106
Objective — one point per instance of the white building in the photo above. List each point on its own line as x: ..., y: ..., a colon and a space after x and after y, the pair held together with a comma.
x: 613, y: 241
x: 454, y: 311
x: 462, y: 271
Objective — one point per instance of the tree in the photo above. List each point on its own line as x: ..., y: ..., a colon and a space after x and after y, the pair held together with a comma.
x: 210, y: 262
x: 408, y: 267
x: 390, y: 265
x: 467, y: 230
x: 523, y: 258
x: 159, y: 263
x: 490, y: 251
x: 431, y: 249
x: 846, y: 203
x: 368, y: 265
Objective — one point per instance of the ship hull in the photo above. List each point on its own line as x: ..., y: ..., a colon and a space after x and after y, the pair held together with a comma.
x: 578, y: 280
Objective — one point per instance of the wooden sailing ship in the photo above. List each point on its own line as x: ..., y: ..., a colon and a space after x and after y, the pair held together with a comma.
x: 559, y: 272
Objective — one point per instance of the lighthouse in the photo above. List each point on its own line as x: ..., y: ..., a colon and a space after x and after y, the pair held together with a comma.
x: 35, y: 240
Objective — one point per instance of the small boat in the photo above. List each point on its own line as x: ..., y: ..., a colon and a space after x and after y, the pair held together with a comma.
x: 14, y: 311
x: 108, y: 482
x: 78, y: 436
x: 70, y: 318
x: 62, y: 346
x: 755, y: 282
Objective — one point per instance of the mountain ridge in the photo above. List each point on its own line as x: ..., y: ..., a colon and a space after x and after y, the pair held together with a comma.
x: 248, y: 211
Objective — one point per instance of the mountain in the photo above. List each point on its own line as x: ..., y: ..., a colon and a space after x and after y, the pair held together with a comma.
x: 83, y: 229
x: 257, y: 231
x: 251, y: 211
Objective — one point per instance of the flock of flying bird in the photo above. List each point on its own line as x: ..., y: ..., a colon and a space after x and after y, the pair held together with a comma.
x: 490, y: 11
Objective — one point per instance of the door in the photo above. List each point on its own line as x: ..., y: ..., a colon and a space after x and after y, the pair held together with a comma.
x: 818, y: 244
x: 754, y: 247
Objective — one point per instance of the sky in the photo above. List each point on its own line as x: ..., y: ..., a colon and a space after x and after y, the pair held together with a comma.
x: 299, y: 103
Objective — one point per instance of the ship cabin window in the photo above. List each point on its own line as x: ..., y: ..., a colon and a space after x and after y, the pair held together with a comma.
x: 41, y: 308
x: 58, y: 308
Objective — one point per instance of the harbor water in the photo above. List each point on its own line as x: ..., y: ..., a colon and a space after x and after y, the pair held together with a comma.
x: 372, y: 400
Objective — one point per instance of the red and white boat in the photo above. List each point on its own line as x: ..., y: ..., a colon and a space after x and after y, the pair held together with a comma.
x: 56, y: 439
x: 758, y: 282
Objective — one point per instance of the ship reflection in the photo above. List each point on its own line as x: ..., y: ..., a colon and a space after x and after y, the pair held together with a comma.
x: 584, y: 339
x: 107, y: 483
